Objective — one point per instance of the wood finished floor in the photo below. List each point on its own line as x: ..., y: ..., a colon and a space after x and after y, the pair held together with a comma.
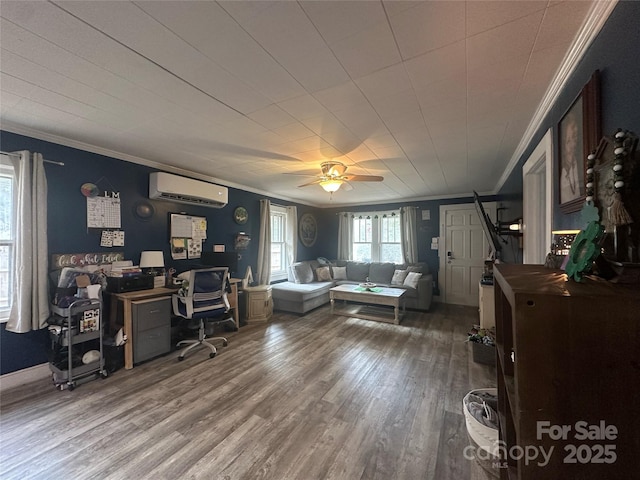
x: 312, y: 397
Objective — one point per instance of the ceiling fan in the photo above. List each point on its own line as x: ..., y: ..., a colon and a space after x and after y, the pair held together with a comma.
x: 333, y: 176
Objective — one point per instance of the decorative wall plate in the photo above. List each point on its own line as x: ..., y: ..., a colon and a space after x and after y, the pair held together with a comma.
x: 240, y: 215
x: 308, y: 229
x: 143, y: 210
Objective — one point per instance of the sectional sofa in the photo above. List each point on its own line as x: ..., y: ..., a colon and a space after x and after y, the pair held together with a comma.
x: 309, y: 283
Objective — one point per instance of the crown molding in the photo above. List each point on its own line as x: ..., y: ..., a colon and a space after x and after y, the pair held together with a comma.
x: 598, y: 15
x: 87, y: 147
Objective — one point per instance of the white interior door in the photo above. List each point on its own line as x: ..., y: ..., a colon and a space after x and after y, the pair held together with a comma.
x: 463, y: 250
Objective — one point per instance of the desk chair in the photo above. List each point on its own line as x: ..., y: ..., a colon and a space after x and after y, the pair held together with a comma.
x: 205, y: 301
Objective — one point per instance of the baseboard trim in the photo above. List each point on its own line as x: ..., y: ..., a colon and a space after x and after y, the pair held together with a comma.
x: 24, y: 376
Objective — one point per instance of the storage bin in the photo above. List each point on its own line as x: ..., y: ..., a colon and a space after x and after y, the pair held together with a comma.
x: 485, y: 354
x: 482, y: 437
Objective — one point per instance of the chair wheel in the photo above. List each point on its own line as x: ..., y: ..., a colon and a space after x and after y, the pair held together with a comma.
x: 211, y: 355
x: 180, y: 358
x: 104, y: 374
x: 225, y: 343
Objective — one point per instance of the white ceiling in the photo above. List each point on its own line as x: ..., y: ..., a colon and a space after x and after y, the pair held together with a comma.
x: 435, y: 96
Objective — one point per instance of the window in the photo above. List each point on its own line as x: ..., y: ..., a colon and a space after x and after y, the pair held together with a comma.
x: 7, y: 233
x: 279, y: 256
x: 376, y: 238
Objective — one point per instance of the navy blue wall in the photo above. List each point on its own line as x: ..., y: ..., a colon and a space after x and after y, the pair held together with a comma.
x: 615, y: 53
x: 68, y: 231
x: 427, y: 229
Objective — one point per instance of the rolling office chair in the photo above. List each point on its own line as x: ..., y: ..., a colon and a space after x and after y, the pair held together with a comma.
x: 205, y: 301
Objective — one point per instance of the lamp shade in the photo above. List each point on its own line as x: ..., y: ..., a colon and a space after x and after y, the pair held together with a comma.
x: 331, y: 185
x: 150, y: 259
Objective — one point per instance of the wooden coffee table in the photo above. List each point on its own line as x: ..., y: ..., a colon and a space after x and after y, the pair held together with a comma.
x: 392, y: 297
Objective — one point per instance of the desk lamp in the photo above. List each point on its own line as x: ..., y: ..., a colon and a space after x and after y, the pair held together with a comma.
x: 152, y: 263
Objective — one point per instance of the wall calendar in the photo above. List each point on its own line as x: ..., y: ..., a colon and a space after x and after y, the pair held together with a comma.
x: 103, y: 212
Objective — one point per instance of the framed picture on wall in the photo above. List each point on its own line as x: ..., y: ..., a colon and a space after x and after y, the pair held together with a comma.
x: 578, y: 135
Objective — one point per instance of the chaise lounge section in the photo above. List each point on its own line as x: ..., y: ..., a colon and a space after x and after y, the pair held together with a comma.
x: 309, y: 283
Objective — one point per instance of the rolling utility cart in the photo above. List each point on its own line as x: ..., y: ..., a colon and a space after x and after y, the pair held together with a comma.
x: 72, y: 328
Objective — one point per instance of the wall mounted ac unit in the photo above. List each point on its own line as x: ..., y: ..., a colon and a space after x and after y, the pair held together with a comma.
x: 165, y: 186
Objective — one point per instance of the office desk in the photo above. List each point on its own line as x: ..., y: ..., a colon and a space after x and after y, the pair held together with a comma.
x: 128, y: 297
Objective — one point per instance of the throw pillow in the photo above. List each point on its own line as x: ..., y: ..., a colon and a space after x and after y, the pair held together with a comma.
x: 412, y: 279
x: 323, y: 274
x: 339, y: 273
x: 399, y: 277
x: 303, y: 273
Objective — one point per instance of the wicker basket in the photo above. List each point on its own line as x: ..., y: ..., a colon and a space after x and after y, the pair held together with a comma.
x: 483, y: 437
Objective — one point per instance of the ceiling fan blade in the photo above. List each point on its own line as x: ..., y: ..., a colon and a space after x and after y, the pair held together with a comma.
x: 315, y: 174
x: 363, y: 178
x: 315, y: 182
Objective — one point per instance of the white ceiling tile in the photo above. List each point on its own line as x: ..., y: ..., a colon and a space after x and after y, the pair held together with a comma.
x: 338, y: 20
x: 293, y: 131
x: 505, y: 42
x: 428, y: 26
x: 367, y: 51
x: 438, y: 65
x: 271, y: 117
x: 316, y: 70
x: 483, y: 16
x: 385, y: 82
x: 302, y: 107
x: 560, y: 24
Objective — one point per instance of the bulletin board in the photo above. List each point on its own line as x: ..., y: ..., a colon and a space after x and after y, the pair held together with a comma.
x: 187, y: 233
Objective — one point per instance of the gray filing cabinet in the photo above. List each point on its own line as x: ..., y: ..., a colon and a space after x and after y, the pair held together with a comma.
x: 151, y: 328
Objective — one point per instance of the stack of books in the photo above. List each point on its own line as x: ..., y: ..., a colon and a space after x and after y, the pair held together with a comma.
x: 131, y: 271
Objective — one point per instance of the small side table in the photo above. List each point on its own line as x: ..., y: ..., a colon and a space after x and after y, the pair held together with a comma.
x: 259, y: 303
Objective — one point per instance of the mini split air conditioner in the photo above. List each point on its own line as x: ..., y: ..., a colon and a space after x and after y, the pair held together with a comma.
x: 165, y: 186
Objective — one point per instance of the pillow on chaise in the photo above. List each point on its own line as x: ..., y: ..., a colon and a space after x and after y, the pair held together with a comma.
x: 323, y: 274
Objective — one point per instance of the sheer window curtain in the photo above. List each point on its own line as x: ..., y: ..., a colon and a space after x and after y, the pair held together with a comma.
x: 292, y: 234
x: 264, y: 245
x: 30, y: 299
x: 409, y: 233
x: 345, y: 235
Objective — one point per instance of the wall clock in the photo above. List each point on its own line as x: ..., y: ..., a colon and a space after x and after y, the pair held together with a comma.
x: 240, y: 215
x: 308, y: 229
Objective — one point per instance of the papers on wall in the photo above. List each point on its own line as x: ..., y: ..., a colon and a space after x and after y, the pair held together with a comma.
x: 103, y: 212
x: 179, y: 248
x: 187, y: 235
x: 194, y: 249
x: 112, y: 238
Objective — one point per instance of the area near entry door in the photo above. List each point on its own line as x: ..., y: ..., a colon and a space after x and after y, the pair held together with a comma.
x: 463, y: 251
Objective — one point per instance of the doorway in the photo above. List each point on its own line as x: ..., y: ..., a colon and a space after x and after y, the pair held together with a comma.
x: 537, y: 194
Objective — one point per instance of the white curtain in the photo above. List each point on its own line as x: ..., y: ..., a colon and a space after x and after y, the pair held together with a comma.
x: 409, y: 233
x: 30, y: 298
x: 292, y: 234
x: 264, y: 244
x: 345, y: 235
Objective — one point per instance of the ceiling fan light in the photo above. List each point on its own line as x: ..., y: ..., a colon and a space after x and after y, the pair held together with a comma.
x: 331, y: 185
